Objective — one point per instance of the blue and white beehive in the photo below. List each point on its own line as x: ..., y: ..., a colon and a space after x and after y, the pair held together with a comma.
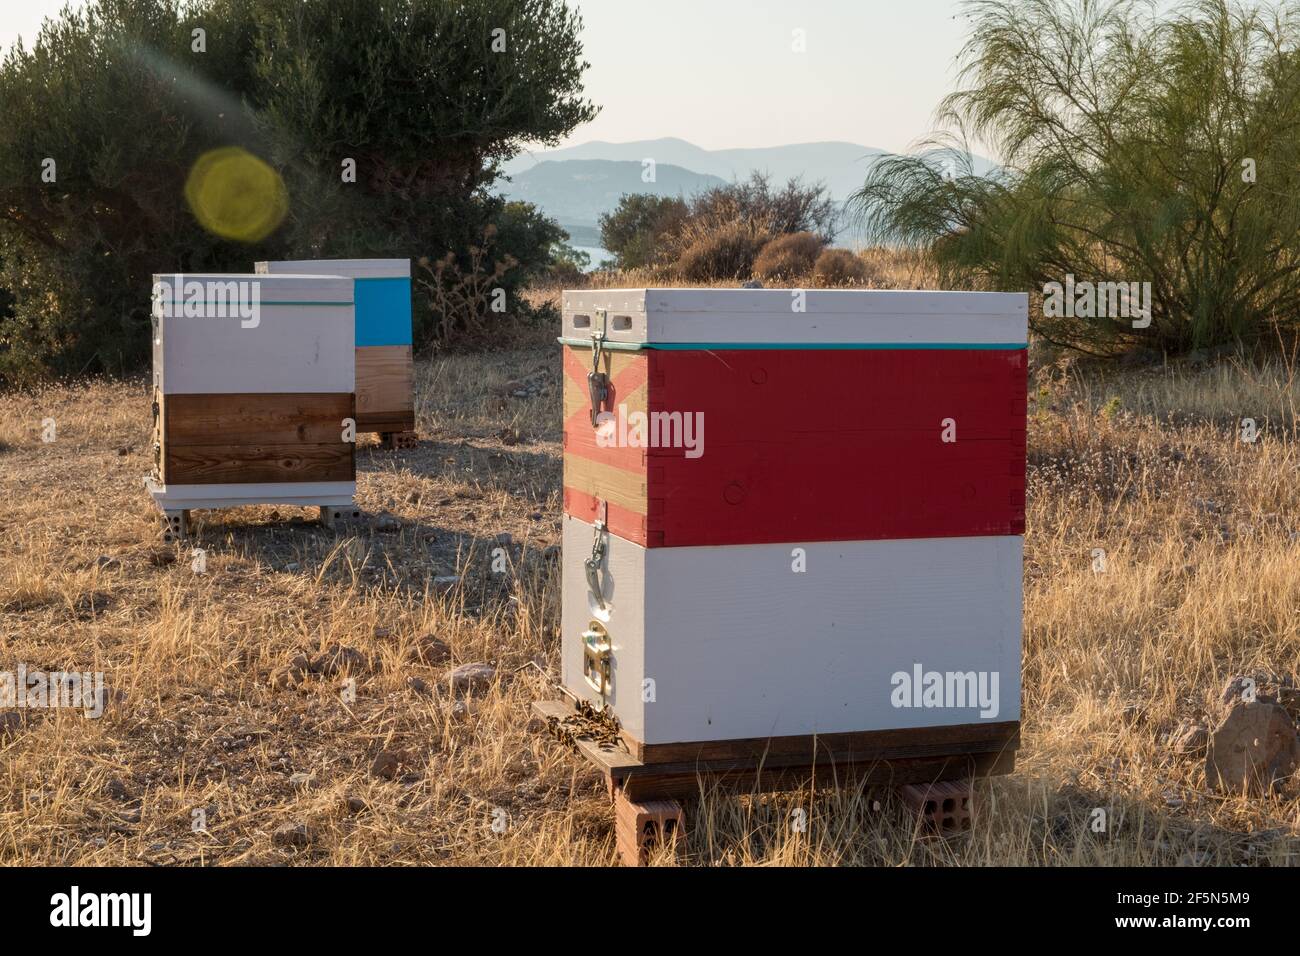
x: 384, y: 369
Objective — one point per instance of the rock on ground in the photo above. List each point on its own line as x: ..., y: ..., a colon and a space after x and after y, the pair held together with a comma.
x: 291, y: 834
x: 471, y: 678
x: 1253, y: 749
x: 1190, y: 739
x: 430, y: 650
x: 387, y: 764
x: 337, y: 658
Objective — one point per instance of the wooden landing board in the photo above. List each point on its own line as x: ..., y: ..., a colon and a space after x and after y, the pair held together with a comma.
x: 943, y: 741
x: 894, y: 766
x: 255, y: 438
x: 659, y: 783
x: 385, y: 379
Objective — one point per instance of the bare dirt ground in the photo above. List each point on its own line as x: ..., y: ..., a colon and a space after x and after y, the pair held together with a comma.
x: 206, y: 712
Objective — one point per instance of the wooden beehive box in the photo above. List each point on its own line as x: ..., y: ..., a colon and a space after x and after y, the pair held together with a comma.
x: 251, y: 400
x: 825, y: 491
x: 385, y: 373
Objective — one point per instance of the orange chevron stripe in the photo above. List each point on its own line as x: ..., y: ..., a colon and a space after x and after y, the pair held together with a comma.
x: 629, y: 386
x: 627, y: 370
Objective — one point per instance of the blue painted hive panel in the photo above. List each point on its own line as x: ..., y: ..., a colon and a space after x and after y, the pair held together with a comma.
x: 383, y: 311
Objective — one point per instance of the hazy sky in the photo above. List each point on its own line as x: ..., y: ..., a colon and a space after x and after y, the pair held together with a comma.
x: 723, y: 73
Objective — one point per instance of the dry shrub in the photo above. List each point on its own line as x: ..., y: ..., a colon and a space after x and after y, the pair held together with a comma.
x: 890, y: 268
x: 723, y: 250
x: 788, y: 257
x: 839, y: 267
x: 462, y: 298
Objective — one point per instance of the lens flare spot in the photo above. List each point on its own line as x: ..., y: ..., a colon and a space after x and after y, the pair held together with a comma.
x: 235, y: 195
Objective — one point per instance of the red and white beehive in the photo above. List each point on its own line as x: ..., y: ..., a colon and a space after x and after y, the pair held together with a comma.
x: 825, y: 492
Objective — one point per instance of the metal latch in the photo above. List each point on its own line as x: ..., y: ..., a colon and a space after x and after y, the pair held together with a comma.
x: 598, y: 548
x: 596, y: 659
x: 597, y: 381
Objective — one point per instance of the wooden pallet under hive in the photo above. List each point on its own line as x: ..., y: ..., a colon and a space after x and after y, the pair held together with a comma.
x: 648, y: 792
x: 870, y: 758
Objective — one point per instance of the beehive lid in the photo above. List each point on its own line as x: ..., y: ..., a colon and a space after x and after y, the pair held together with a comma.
x: 354, y: 268
x: 272, y: 289
x: 794, y: 318
x: 212, y: 340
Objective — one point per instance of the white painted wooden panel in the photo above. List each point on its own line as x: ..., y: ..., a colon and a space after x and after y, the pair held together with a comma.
x: 829, y: 316
x: 616, y: 300
x: 622, y: 582
x: 302, y: 287
x: 292, y: 348
x: 179, y: 497
x: 738, y: 645
x: 355, y: 268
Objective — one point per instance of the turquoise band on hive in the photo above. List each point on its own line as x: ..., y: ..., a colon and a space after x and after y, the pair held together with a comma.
x: 775, y: 346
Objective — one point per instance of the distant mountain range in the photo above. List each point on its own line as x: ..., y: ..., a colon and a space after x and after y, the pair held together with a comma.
x: 577, y: 191
x: 576, y: 184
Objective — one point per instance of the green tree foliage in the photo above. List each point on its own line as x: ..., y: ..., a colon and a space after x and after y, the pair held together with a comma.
x: 569, y: 264
x: 95, y: 98
x: 426, y: 96
x: 631, y: 232
x: 1139, y: 146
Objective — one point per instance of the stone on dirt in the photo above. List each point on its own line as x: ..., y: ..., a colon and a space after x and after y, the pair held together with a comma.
x: 1253, y: 749
x: 337, y: 658
x: 471, y: 679
x: 291, y: 835
x: 1191, y: 738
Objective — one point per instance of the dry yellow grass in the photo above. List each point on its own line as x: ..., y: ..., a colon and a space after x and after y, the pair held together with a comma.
x: 1203, y: 581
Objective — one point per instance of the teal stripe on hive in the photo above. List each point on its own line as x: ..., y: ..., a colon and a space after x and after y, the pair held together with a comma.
x: 750, y: 346
x: 733, y: 346
x: 184, y: 303
x: 383, y: 311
